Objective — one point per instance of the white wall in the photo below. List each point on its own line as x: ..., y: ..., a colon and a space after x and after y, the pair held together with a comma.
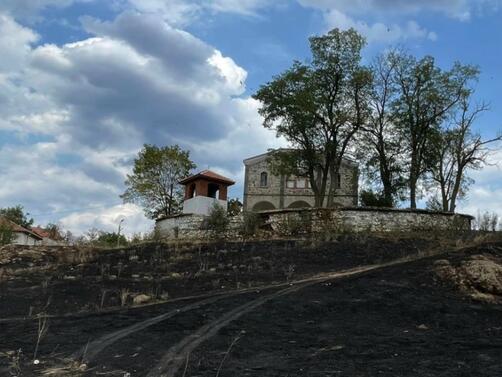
x: 24, y: 239
x: 201, y: 205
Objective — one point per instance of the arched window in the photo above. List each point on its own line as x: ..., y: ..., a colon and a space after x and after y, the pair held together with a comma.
x: 263, y: 179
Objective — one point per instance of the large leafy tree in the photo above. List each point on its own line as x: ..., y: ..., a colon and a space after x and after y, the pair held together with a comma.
x: 318, y: 107
x: 154, y: 181
x: 426, y: 96
x: 17, y: 215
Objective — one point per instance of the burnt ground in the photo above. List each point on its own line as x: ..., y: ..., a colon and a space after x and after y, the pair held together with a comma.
x: 395, y: 320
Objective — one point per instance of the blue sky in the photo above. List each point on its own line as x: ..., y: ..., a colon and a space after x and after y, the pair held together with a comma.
x: 84, y: 83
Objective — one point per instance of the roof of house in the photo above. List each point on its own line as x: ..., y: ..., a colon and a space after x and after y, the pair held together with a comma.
x: 18, y: 228
x: 41, y: 232
x: 263, y: 156
x: 207, y: 175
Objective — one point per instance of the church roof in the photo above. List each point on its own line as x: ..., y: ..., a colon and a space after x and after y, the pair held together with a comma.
x: 207, y: 175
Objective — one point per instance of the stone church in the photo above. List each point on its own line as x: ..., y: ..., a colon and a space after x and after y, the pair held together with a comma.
x: 265, y: 191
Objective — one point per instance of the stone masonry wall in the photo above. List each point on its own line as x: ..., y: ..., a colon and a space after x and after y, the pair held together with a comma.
x: 359, y: 219
x: 254, y: 194
x: 309, y: 222
x: 191, y: 227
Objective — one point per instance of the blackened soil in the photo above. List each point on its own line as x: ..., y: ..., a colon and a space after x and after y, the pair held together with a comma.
x: 89, y: 281
x: 394, y: 321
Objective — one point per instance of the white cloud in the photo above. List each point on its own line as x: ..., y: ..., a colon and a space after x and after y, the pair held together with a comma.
x: 29, y: 9
x: 108, y: 219
x: 15, y: 43
x: 183, y: 12
x: 378, y: 32
x: 90, y: 106
x: 459, y: 9
x: 486, y: 193
x: 390, y: 21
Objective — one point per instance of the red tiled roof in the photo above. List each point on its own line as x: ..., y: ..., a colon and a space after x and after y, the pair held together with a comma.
x: 41, y: 232
x: 18, y: 228
x: 209, y: 175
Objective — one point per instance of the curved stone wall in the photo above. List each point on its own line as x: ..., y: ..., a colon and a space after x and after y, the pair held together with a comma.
x: 362, y: 219
x: 312, y: 221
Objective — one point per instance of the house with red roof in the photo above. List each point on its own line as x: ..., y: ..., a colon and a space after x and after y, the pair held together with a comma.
x: 48, y: 238
x: 20, y: 235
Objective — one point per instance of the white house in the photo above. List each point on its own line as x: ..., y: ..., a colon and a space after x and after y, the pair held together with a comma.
x: 21, y: 235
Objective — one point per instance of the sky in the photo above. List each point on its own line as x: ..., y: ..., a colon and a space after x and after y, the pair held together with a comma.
x: 85, y: 83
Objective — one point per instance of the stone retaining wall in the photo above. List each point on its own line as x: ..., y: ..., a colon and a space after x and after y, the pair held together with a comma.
x: 359, y: 219
x: 191, y: 227
x: 308, y: 222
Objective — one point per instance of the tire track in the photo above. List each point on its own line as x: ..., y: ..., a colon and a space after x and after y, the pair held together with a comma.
x: 89, y: 352
x: 175, y: 357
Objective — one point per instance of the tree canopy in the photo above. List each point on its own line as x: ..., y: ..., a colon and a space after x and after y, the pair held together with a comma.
x: 407, y: 119
x: 318, y: 107
x: 154, y: 181
x: 17, y: 215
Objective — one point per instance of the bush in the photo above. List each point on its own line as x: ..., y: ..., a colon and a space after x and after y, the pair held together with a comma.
x: 6, y: 234
x: 370, y: 198
x: 295, y: 224
x: 251, y: 222
x: 217, y: 221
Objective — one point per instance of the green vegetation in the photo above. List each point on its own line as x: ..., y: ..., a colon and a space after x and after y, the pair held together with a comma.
x: 17, y: 215
x: 217, y: 221
x: 319, y: 107
x: 409, y: 121
x: 6, y: 234
x: 154, y: 181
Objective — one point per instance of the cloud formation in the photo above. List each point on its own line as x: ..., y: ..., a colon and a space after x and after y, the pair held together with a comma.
x: 93, y: 103
x: 73, y: 116
x: 371, y: 17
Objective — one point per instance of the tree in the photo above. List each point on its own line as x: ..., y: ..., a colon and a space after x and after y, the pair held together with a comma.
x: 111, y: 239
x: 426, y: 95
x: 234, y: 207
x: 217, y: 221
x: 154, y: 181
x: 17, y: 215
x: 6, y: 233
x: 370, y: 198
x: 457, y: 149
x: 56, y: 232
x: 381, y: 141
x: 318, y: 107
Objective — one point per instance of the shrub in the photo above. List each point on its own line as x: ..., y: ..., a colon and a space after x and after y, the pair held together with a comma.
x: 6, y: 234
x: 370, y: 198
x: 217, y: 221
x: 295, y: 224
x: 251, y: 222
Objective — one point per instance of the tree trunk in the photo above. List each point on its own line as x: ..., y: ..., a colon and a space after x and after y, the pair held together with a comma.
x: 170, y: 201
x: 385, y: 177
x: 413, y: 192
x: 456, y: 190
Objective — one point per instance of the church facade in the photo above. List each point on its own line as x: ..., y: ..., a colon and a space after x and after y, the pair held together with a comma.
x: 264, y: 191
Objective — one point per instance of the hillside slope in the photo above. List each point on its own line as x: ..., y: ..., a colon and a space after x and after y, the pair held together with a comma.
x: 413, y: 318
